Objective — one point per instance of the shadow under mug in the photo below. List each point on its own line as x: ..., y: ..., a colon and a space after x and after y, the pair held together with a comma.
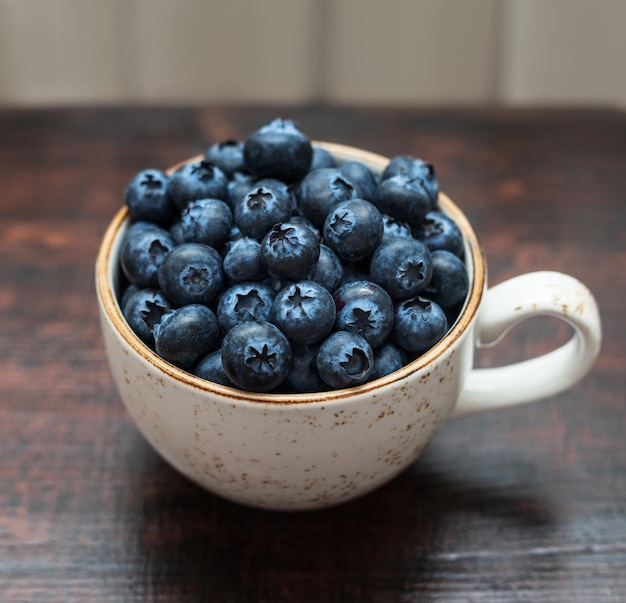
x: 306, y: 451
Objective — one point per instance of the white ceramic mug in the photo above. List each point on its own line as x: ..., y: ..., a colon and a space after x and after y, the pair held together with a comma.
x: 306, y: 451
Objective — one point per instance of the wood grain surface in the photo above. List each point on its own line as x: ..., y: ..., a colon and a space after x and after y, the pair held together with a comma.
x: 524, y: 504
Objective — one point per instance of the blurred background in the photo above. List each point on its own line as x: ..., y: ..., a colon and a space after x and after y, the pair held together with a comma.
x: 404, y: 52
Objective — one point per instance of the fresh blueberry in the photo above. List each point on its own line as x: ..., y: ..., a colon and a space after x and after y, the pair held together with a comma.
x: 135, y: 228
x: 388, y: 358
x: 242, y: 261
x: 290, y: 252
x: 302, y: 221
x: 260, y: 209
x: 450, y: 282
x: 176, y: 232
x: 402, y: 266
x: 278, y: 150
x: 147, y: 198
x: 322, y: 158
x: 142, y: 255
x: 210, y: 367
x: 365, y: 308
x: 191, y: 274
x: 285, y: 190
x: 322, y: 190
x: 419, y: 324
x: 329, y: 269
x: 344, y: 359
x: 234, y: 235
x: 403, y: 198
x: 143, y: 310
x: 256, y: 356
x: 206, y: 221
x: 197, y: 180
x: 186, y: 334
x: 244, y: 301
x: 303, y: 376
x: 393, y: 228
x: 127, y: 292
x: 239, y: 185
x: 414, y: 167
x: 353, y: 229
x: 227, y: 155
x: 362, y: 176
x: 438, y: 231
x: 354, y: 271
x: 304, y: 312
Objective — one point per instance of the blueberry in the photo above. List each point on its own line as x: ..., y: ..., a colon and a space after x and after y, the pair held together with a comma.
x: 176, y: 232
x: 142, y: 255
x: 144, y: 309
x: 362, y: 176
x: 403, y: 266
x: 393, y: 228
x: 304, y: 312
x: 147, y: 198
x: 256, y: 356
x: 127, y: 291
x: 419, y: 324
x: 234, y: 235
x: 135, y: 228
x: 239, y: 185
x: 186, y: 334
x: 450, y: 282
x: 365, y: 308
x: 414, y: 167
x: 329, y: 269
x: 206, y: 221
x: 322, y: 158
x: 257, y: 211
x: 244, y: 301
x: 322, y: 190
x: 278, y: 150
x: 388, y: 358
x: 285, y: 190
x: 302, y: 221
x: 354, y: 271
x: 438, y: 231
x: 344, y: 359
x: 290, y: 252
x: 227, y: 155
x: 403, y: 198
x: 242, y: 261
x: 303, y: 376
x: 210, y: 367
x: 353, y: 229
x: 191, y: 274
x: 197, y: 180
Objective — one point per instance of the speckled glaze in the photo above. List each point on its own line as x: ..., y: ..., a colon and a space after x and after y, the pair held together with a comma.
x: 306, y: 451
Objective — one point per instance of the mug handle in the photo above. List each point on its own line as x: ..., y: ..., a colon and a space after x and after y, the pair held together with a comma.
x: 543, y: 293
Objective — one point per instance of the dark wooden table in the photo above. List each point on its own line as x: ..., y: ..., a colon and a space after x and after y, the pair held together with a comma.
x: 524, y: 504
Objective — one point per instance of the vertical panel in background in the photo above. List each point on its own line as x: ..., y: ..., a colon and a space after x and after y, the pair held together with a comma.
x: 564, y: 51
x: 410, y: 51
x: 61, y: 51
x: 240, y: 50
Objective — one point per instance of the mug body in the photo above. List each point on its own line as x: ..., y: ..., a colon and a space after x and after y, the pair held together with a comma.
x: 280, y: 451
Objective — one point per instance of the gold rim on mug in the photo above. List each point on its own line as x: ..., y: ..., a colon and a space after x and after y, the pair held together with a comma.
x: 107, y: 266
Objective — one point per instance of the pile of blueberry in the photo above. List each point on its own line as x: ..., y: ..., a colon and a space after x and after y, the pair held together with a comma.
x: 271, y: 267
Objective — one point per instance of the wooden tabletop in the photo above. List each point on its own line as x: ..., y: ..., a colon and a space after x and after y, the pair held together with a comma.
x: 523, y: 504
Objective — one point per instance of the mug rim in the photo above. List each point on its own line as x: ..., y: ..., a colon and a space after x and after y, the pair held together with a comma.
x: 109, y: 304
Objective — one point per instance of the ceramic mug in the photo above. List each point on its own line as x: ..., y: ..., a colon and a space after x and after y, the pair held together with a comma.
x: 306, y: 451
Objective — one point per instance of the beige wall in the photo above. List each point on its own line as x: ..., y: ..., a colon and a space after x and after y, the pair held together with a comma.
x: 346, y: 51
